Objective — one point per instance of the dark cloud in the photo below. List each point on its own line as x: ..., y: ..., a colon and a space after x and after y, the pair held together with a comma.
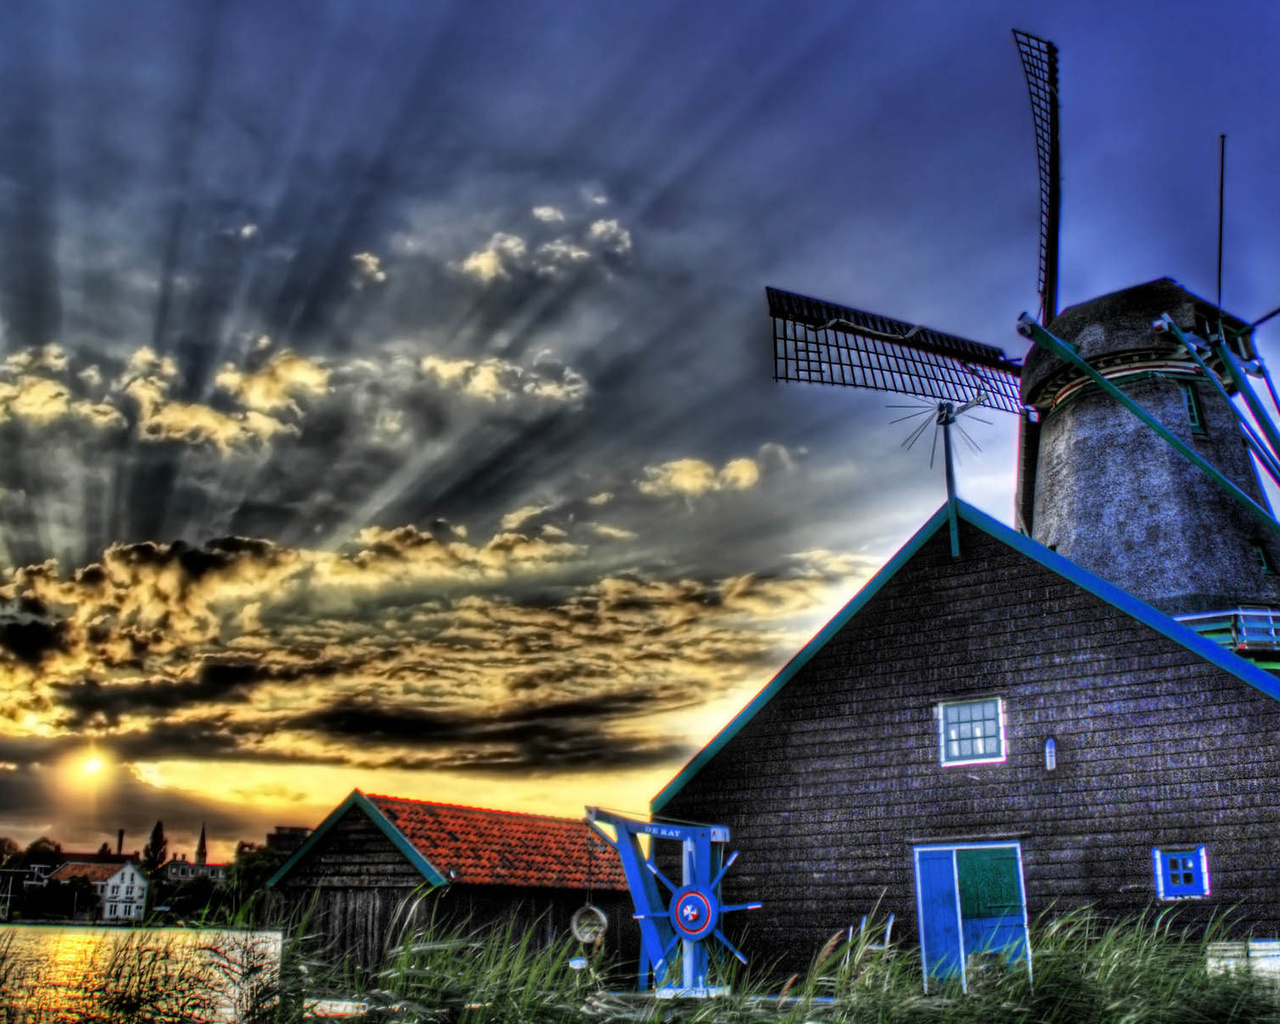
x: 29, y: 632
x: 548, y: 736
x: 550, y: 753
x: 217, y: 682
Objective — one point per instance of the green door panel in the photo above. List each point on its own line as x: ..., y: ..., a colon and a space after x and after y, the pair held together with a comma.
x: 989, y: 882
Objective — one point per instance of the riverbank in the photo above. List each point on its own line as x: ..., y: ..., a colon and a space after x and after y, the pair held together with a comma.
x: 104, y: 973
x: 1082, y: 970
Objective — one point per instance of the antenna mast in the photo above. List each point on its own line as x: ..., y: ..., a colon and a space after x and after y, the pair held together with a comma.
x: 1222, y: 179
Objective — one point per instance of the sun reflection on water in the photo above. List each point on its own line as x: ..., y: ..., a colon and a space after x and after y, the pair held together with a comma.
x: 65, y: 974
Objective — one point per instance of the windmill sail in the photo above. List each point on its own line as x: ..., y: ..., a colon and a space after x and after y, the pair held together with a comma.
x: 820, y: 342
x: 1040, y: 65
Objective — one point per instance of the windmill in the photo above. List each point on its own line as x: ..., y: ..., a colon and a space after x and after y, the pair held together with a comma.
x: 1129, y: 453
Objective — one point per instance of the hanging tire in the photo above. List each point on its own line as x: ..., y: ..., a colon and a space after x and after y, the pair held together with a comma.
x: 588, y: 924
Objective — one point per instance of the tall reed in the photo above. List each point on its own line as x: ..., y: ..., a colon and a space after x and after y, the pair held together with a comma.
x: 1084, y: 970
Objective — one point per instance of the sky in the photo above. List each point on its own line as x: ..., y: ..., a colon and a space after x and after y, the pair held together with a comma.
x: 386, y: 389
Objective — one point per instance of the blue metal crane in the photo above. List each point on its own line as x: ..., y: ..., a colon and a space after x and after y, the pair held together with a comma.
x: 691, y: 917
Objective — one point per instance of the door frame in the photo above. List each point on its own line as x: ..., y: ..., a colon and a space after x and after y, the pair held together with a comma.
x: 955, y: 875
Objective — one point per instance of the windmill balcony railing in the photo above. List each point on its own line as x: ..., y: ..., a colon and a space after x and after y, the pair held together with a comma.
x: 1238, y: 629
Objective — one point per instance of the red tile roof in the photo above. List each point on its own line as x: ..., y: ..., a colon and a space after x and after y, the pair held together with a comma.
x: 483, y: 847
x: 79, y: 869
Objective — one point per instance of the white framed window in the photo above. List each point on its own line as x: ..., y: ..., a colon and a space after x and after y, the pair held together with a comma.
x: 1181, y: 872
x: 971, y: 732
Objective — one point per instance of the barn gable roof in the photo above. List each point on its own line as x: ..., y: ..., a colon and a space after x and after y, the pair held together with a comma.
x: 450, y: 844
x: 80, y: 869
x: 1125, y: 602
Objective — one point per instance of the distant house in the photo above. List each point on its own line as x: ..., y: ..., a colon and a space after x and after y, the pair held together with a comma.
x: 121, y: 888
x: 987, y: 730
x: 374, y: 853
x: 287, y: 838
x: 178, y: 869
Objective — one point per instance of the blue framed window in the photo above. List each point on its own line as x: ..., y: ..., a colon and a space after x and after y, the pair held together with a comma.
x: 1181, y: 872
x: 971, y: 732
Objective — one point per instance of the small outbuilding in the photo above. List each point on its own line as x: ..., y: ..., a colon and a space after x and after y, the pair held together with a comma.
x: 985, y: 731
x: 366, y: 863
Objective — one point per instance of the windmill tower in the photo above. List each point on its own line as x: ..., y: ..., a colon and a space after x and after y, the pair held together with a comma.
x: 1134, y: 459
x: 1108, y: 491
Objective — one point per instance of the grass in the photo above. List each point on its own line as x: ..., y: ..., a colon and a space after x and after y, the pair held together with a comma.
x: 1086, y: 971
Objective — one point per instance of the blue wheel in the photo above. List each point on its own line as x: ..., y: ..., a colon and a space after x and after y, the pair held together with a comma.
x: 694, y: 912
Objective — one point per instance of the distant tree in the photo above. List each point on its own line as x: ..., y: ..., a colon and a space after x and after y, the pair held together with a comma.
x: 8, y: 848
x: 153, y: 853
x: 199, y: 898
x: 74, y: 898
x: 104, y: 850
x: 43, y: 851
x: 252, y: 866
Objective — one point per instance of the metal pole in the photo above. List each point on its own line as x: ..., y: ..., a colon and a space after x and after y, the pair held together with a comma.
x: 1222, y: 172
x: 947, y: 416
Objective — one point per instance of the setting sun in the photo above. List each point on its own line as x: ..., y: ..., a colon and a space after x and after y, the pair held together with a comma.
x: 92, y: 765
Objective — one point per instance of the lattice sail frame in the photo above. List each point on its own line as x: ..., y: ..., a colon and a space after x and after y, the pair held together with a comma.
x: 1040, y: 65
x: 818, y: 342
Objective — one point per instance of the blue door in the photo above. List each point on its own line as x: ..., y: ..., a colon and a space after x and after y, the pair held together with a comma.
x: 970, y: 899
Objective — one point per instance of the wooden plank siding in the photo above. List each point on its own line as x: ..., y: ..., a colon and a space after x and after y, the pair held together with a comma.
x: 834, y: 779
x: 358, y: 887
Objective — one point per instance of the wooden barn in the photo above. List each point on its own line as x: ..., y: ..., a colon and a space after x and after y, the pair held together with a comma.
x: 373, y: 855
x: 974, y: 739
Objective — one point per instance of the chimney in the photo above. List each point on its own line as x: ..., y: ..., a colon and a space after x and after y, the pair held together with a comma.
x: 119, y: 841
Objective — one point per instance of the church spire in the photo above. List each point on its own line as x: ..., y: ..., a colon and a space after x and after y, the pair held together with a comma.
x: 202, y: 849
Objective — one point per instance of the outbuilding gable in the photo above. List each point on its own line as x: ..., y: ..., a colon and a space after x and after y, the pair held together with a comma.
x: 449, y: 844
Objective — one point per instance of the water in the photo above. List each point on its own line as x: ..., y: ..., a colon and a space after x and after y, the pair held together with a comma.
x: 57, y: 975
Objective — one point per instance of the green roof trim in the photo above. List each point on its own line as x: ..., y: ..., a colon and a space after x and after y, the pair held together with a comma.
x: 398, y: 839
x: 868, y: 591
x: 1113, y: 595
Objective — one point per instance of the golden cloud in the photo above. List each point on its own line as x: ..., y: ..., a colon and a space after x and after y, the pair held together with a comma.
x: 692, y: 478
x: 276, y: 384
x: 513, y: 519
x: 612, y: 235
x: 41, y: 401
x: 490, y: 262
x: 368, y: 268
x: 161, y: 419
x: 497, y: 380
x: 612, y: 532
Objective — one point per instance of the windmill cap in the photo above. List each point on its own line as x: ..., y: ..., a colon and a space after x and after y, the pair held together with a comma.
x: 1123, y: 322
